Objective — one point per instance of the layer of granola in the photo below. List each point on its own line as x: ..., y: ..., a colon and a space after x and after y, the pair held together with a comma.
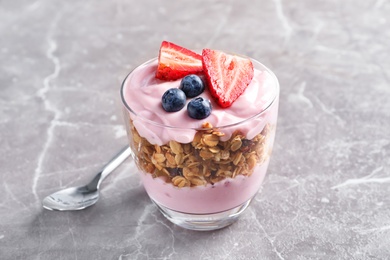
x: 206, y: 159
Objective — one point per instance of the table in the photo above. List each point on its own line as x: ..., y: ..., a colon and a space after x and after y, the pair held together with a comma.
x: 326, y: 195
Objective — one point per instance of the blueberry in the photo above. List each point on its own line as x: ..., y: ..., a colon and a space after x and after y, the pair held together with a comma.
x: 173, y: 100
x: 199, y: 108
x: 192, y: 85
x: 175, y: 171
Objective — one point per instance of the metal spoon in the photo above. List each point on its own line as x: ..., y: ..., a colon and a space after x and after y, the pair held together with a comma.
x: 77, y: 198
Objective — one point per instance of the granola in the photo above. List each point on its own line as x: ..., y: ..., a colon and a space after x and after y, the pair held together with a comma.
x: 205, y: 160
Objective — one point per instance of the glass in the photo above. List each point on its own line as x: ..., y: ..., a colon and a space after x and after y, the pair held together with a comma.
x: 202, y: 178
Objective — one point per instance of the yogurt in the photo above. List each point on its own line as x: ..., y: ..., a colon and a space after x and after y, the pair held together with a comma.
x: 224, y: 195
x: 142, y: 92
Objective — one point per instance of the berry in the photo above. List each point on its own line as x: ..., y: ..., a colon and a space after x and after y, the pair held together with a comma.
x: 173, y: 100
x: 175, y: 171
x: 199, y: 108
x: 227, y: 75
x: 175, y: 62
x: 192, y: 85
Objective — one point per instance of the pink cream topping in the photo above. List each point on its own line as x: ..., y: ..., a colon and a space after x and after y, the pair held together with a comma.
x: 142, y: 93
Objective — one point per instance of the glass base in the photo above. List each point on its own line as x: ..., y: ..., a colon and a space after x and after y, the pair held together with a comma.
x: 203, y: 222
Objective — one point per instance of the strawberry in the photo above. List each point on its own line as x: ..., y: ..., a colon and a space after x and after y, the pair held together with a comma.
x: 227, y: 75
x: 175, y: 62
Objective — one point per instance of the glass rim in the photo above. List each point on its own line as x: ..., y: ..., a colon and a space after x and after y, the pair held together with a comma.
x: 265, y: 109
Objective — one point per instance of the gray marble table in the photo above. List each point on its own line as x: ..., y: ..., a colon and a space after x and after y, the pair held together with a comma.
x: 326, y: 195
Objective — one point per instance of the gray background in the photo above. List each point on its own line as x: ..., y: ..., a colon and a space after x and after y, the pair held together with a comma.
x: 326, y: 195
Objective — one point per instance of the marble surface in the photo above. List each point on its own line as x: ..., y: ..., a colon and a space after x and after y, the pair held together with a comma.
x: 326, y: 195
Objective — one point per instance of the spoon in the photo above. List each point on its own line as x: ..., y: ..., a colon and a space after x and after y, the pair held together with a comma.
x: 77, y: 198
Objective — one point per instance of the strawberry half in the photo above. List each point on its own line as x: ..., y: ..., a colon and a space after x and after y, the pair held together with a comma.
x: 175, y: 62
x: 227, y: 75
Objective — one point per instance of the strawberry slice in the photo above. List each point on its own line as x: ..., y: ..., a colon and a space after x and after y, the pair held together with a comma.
x: 175, y: 62
x: 227, y: 75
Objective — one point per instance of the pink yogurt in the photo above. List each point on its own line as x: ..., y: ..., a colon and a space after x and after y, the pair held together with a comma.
x: 256, y: 107
x: 224, y: 195
x: 142, y: 94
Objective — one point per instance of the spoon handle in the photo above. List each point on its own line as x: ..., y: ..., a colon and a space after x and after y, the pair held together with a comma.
x: 109, y: 167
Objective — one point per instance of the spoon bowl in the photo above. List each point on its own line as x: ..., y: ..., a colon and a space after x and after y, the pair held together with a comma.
x: 74, y: 198
x: 77, y: 198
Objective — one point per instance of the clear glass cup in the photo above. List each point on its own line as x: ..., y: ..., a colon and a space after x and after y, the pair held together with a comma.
x: 207, y: 181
